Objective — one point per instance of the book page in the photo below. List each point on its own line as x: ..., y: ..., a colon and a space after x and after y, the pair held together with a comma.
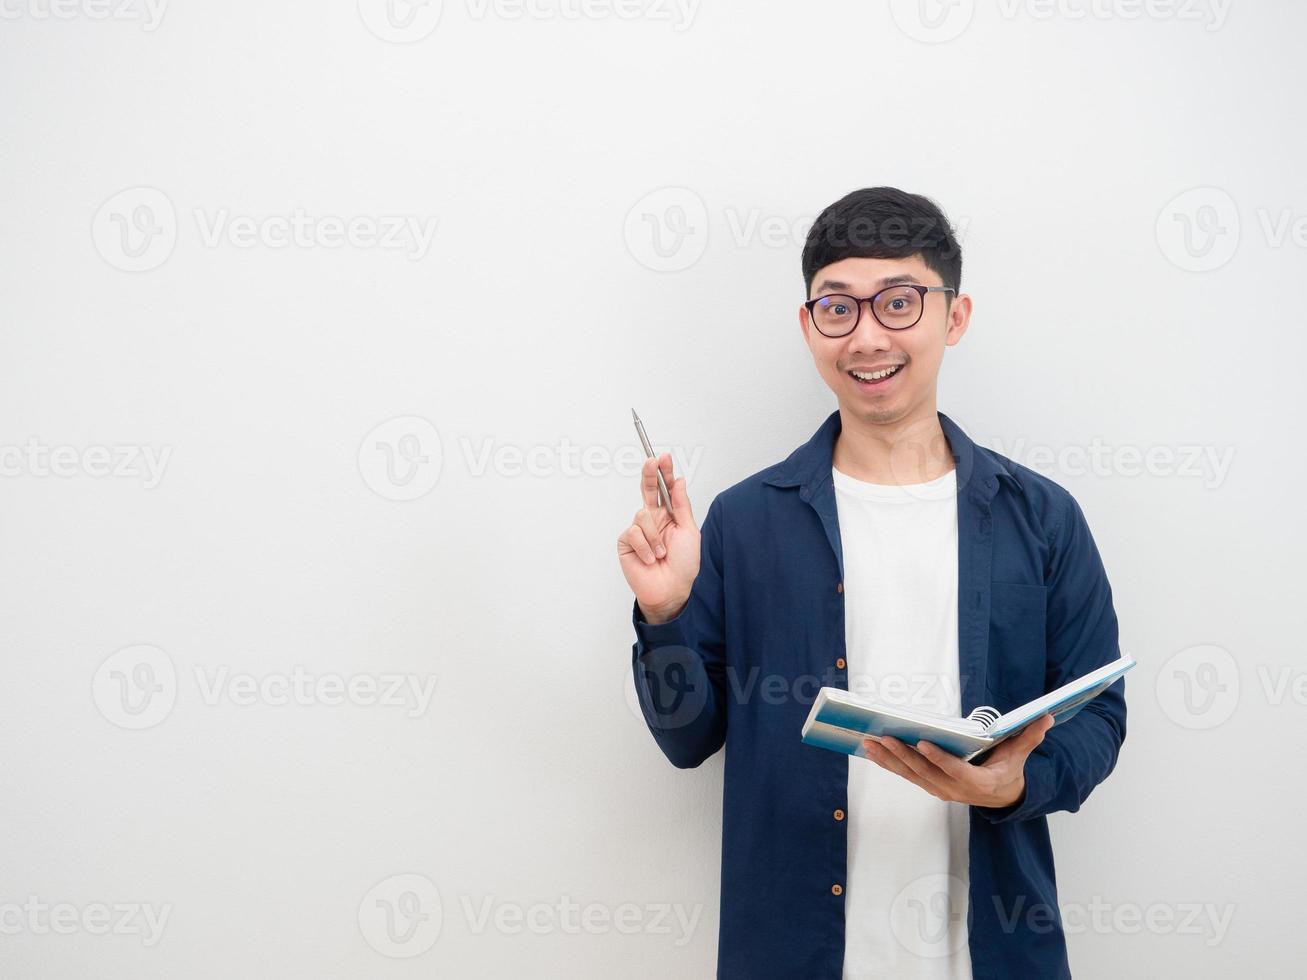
x: 1065, y: 699
x: 918, y: 716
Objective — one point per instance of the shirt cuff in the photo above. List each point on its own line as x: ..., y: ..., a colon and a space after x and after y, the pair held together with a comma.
x: 1038, y: 773
x: 674, y: 632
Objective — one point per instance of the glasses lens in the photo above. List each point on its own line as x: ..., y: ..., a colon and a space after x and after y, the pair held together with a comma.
x: 898, y: 307
x: 835, y: 315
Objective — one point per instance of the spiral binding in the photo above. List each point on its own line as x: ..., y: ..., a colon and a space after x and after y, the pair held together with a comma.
x: 985, y: 715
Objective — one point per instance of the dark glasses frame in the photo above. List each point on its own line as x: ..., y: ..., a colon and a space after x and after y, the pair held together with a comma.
x: 857, y: 304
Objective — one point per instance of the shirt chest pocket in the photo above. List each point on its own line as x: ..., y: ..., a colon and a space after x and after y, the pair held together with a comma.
x: 1017, y: 654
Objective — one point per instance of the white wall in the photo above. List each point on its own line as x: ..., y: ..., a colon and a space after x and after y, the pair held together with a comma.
x: 267, y: 539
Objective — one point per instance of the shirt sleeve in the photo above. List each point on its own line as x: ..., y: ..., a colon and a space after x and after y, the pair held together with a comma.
x: 680, y: 665
x: 1082, y: 635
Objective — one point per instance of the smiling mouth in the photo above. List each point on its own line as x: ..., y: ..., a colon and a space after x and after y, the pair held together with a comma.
x: 871, y: 379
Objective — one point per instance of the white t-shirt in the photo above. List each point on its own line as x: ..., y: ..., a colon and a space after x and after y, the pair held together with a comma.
x: 906, y: 896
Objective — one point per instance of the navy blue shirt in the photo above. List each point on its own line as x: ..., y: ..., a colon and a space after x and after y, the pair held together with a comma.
x: 764, y: 629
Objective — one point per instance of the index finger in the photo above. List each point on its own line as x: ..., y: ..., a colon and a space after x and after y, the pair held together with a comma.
x: 649, y: 479
x: 947, y: 762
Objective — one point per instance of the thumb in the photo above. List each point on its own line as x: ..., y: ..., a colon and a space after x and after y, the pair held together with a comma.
x: 1033, y: 734
x: 682, y: 514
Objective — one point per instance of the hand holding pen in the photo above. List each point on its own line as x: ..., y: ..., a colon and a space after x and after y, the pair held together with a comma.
x: 659, y: 552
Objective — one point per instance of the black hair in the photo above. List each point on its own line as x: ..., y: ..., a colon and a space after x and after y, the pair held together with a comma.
x: 883, y: 223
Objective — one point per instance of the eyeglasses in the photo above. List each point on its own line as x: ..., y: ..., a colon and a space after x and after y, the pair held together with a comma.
x: 895, y: 308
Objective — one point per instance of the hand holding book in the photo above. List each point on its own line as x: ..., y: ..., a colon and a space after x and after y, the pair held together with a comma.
x: 999, y: 781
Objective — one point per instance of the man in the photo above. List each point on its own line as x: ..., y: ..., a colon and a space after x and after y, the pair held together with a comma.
x: 889, y: 555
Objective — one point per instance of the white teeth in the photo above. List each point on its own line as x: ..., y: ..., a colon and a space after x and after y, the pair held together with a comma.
x: 877, y: 375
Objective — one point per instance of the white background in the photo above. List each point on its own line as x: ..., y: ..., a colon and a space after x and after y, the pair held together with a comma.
x: 1115, y: 307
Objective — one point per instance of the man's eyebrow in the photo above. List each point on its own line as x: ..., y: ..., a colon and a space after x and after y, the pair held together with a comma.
x: 844, y: 287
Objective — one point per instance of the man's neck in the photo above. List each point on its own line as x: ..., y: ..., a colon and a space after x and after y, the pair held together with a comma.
x: 908, y: 450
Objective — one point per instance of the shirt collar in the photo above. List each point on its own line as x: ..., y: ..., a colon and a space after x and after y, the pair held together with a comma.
x: 810, y: 465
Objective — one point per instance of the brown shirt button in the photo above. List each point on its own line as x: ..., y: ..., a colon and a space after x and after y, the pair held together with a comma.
x: 840, y: 663
x: 839, y: 814
x: 839, y: 587
x: 836, y: 890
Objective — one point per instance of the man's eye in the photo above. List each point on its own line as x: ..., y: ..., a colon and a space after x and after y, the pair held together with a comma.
x: 839, y: 309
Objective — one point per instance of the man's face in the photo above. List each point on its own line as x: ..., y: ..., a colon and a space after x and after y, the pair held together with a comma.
x: 871, y: 347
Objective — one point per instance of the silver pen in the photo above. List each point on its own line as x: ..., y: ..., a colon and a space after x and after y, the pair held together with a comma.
x: 648, y: 450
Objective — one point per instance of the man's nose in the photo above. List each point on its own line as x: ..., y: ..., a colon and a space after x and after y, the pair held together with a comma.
x: 870, y: 333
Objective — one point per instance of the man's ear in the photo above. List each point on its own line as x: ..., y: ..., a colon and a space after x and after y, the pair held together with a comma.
x: 959, y: 318
x: 804, y: 325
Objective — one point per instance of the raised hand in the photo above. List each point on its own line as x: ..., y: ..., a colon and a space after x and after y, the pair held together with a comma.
x: 659, y: 552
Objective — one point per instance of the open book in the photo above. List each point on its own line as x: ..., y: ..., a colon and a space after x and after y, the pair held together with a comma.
x: 839, y: 721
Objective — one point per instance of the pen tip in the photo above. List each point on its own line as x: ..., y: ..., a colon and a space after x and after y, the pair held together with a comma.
x: 634, y: 416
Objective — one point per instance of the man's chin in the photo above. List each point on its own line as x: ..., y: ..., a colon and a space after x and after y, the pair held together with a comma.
x: 887, y: 411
